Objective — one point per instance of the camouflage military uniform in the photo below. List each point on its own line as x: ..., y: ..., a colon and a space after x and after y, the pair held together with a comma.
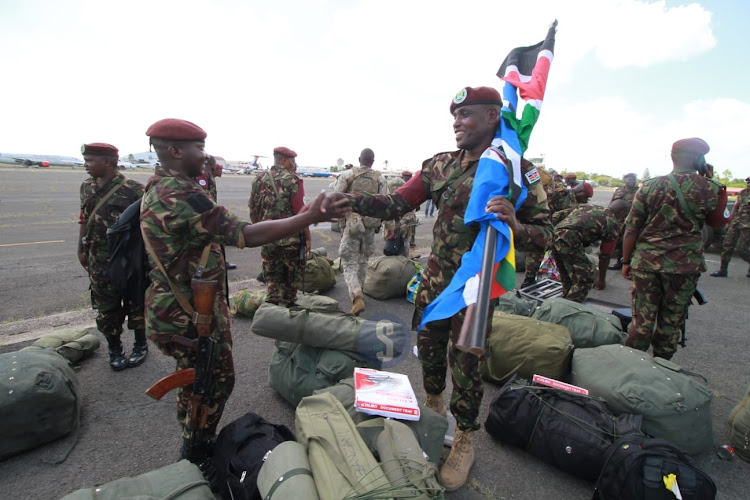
x: 627, y: 194
x: 451, y: 239
x: 358, y: 235
x: 207, y: 182
x: 738, y: 232
x: 111, y: 307
x: 281, y: 264
x: 667, y: 259
x: 180, y: 220
x: 582, y: 227
x: 407, y: 224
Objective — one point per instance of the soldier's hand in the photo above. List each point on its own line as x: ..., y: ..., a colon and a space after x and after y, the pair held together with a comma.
x: 626, y: 272
x: 504, y: 211
x: 327, y: 206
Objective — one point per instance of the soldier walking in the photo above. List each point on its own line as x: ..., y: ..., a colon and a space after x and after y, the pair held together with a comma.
x: 358, y: 234
x: 627, y: 193
x: 405, y: 226
x: 738, y: 233
x: 104, y: 196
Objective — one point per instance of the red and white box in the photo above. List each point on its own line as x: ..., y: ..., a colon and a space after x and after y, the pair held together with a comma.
x: 385, y: 394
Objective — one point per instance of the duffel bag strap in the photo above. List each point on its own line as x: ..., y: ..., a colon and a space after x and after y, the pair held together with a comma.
x: 653, y: 483
x: 669, y: 365
x: 287, y: 475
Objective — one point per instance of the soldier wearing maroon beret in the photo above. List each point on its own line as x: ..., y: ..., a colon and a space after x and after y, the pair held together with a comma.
x: 104, y: 196
x: 570, y: 181
x: 476, y: 113
x: 183, y: 231
x: 662, y: 251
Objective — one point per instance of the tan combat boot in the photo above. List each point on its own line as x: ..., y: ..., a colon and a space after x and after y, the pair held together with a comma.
x: 455, y: 471
x: 435, y: 403
x: 358, y: 304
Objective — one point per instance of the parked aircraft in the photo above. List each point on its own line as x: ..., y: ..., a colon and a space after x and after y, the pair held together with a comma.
x: 34, y: 160
x: 245, y: 167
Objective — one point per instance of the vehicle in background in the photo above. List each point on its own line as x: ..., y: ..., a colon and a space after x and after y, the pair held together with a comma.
x: 35, y: 160
x: 714, y: 236
x: 314, y: 172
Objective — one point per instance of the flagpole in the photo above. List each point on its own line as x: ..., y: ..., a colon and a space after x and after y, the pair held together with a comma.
x: 473, y: 336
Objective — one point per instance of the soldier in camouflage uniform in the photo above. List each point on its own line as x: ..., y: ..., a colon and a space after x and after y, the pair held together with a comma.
x: 662, y: 251
x: 206, y: 179
x: 582, y: 227
x: 476, y: 115
x: 179, y: 222
x: 406, y: 225
x: 627, y: 193
x: 738, y: 233
x: 104, y: 196
x: 276, y: 194
x: 358, y: 234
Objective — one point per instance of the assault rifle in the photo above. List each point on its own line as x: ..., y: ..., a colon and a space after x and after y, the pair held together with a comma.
x: 700, y: 299
x: 302, y: 257
x: 204, y: 296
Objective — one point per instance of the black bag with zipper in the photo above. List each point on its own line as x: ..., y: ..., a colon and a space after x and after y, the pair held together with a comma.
x: 570, y: 431
x: 638, y: 468
x: 239, y: 453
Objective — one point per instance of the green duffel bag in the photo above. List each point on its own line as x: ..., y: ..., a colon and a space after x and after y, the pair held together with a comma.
x: 388, y: 276
x: 739, y: 428
x: 589, y: 326
x: 297, y: 370
x: 179, y: 481
x: 286, y: 473
x: 73, y: 344
x: 317, y: 302
x: 41, y: 400
x: 319, y: 275
x: 60, y: 337
x: 526, y: 346
x: 513, y: 303
x: 674, y: 406
x: 402, y: 460
x: 430, y: 429
x: 341, y: 463
x: 377, y: 341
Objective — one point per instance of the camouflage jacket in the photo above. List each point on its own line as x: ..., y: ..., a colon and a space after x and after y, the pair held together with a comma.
x: 587, y: 224
x: 624, y: 193
x: 96, y: 247
x: 560, y: 198
x: 668, y: 240
x: 409, y: 219
x: 180, y: 220
x: 265, y: 205
x: 451, y: 237
x: 208, y: 182
x: 742, y: 210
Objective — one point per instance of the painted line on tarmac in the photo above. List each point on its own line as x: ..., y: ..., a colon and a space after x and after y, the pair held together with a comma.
x: 31, y: 243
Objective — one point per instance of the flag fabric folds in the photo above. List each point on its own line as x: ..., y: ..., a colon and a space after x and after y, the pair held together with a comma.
x: 524, y: 73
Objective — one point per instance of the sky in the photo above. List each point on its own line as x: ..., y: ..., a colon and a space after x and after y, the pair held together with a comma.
x: 328, y: 78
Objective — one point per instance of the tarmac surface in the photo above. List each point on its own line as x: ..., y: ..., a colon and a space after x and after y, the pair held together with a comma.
x: 124, y: 433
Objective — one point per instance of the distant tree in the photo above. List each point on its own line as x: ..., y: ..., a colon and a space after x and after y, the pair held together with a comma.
x: 726, y: 175
x: 602, y: 180
x: 334, y: 168
x: 646, y: 175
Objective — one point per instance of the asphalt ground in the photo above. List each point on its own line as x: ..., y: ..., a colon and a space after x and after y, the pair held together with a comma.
x: 124, y: 433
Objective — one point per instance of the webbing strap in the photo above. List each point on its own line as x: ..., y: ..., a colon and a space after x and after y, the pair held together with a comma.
x: 118, y: 185
x: 285, y: 477
x: 447, y: 192
x: 684, y: 204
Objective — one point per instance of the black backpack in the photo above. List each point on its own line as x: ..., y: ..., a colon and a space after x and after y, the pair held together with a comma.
x: 128, y: 268
x: 239, y: 453
x: 394, y: 246
x: 570, y: 431
x: 636, y: 466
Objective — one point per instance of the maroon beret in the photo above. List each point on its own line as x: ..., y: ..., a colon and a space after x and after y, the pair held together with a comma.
x: 570, y: 176
x: 692, y: 145
x: 406, y: 173
x: 475, y: 95
x: 588, y: 189
x: 99, y: 148
x: 281, y: 150
x: 177, y: 130
x: 634, y: 176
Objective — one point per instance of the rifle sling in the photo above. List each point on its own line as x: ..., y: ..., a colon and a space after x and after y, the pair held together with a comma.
x: 447, y: 192
x: 107, y: 196
x: 183, y: 301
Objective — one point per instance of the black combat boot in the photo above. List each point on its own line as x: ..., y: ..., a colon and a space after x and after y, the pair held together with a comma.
x: 722, y: 272
x: 528, y: 282
x: 140, y: 350
x: 117, y: 360
x: 616, y: 266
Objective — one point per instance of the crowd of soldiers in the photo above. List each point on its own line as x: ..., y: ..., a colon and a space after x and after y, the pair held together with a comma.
x: 185, y: 230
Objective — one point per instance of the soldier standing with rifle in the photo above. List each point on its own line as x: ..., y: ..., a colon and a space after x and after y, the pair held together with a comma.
x: 447, y: 180
x: 187, y: 316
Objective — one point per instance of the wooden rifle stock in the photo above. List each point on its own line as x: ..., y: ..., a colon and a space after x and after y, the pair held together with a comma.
x: 473, y: 336
x: 174, y: 380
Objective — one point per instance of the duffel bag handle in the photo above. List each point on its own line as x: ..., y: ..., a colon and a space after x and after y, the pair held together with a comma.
x: 669, y: 365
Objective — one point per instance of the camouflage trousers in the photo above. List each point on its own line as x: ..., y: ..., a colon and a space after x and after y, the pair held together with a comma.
x: 736, y: 238
x: 354, y: 252
x: 112, y: 309
x: 222, y: 371
x: 576, y: 272
x: 660, y: 305
x: 437, y: 352
x: 533, y: 261
x: 281, y: 267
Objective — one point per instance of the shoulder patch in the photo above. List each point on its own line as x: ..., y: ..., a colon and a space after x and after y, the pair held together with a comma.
x: 532, y: 176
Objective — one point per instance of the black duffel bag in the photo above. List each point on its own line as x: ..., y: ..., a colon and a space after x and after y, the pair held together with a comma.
x: 639, y: 467
x: 570, y: 431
